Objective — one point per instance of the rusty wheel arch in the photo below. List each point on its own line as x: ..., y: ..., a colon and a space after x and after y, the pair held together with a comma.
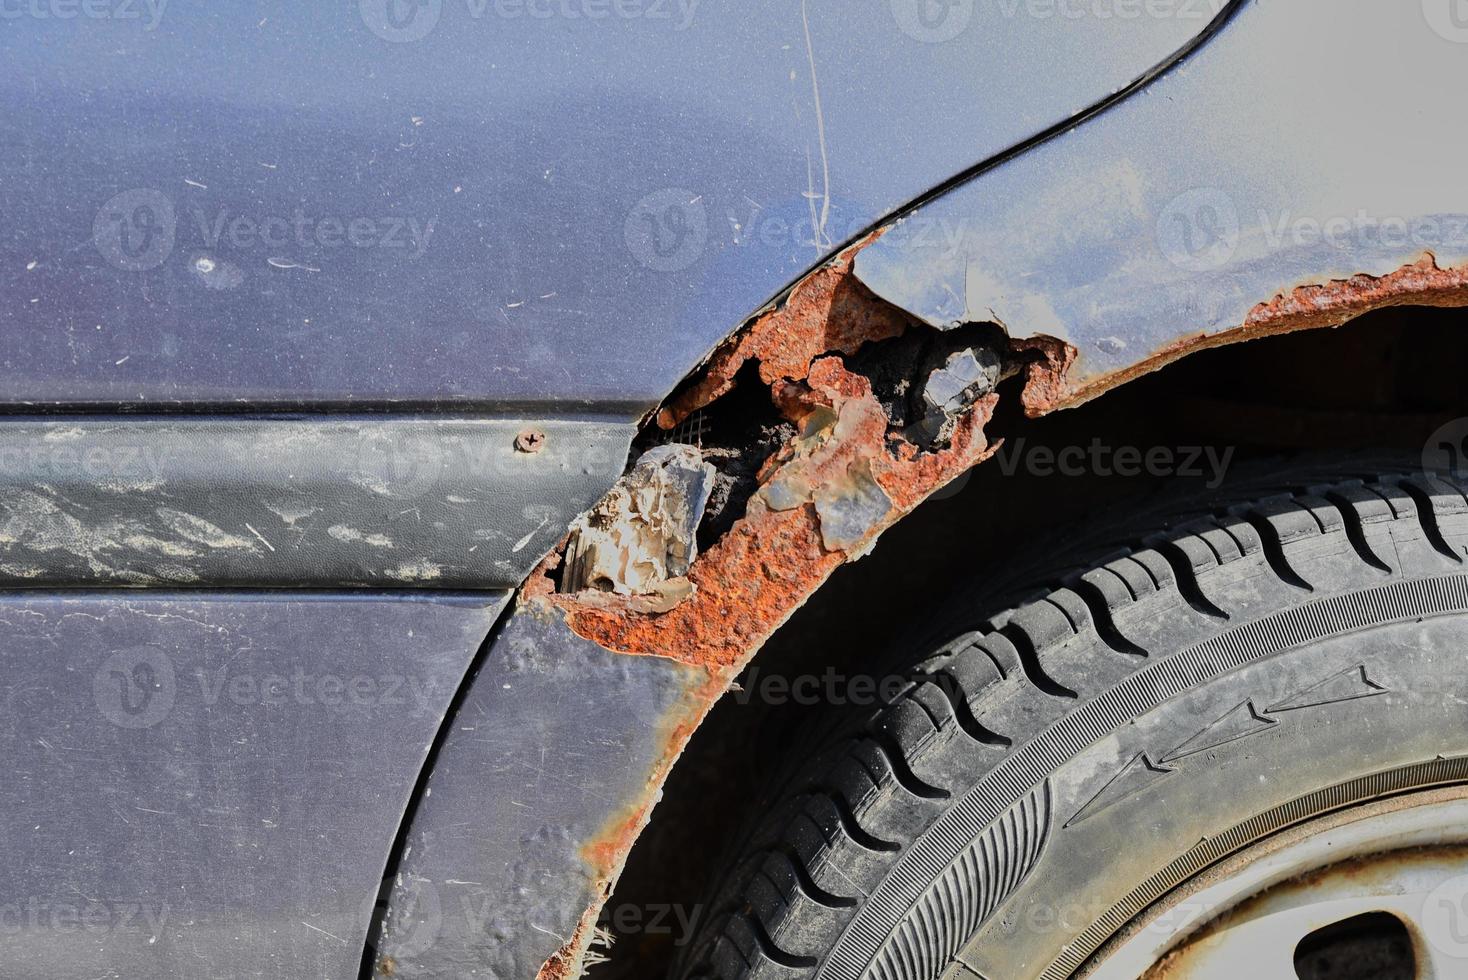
x: 848, y: 473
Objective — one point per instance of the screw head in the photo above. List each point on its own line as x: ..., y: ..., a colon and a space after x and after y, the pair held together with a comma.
x: 530, y: 441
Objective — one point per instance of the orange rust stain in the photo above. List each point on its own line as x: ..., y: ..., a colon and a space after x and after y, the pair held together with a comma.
x: 1045, y: 377
x: 1329, y: 304
x: 606, y: 852
x: 771, y: 561
x: 828, y: 311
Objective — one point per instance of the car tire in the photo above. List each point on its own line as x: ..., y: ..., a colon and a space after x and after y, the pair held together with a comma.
x: 1050, y: 773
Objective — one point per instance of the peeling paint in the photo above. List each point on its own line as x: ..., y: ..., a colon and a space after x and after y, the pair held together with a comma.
x: 421, y: 570
x: 201, y: 531
x: 641, y: 539
x: 849, y: 473
x: 829, y: 311
x: 351, y: 535
x: 1307, y: 306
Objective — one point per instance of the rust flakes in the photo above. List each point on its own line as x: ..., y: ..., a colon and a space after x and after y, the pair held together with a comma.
x: 828, y: 311
x: 845, y: 477
x: 843, y: 470
x: 1046, y: 370
x: 605, y: 853
x: 824, y: 498
x: 1306, y: 307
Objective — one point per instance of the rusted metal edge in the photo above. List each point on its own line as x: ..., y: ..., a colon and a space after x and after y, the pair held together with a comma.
x: 829, y: 492
x: 1304, y: 307
x: 605, y: 853
x: 829, y: 311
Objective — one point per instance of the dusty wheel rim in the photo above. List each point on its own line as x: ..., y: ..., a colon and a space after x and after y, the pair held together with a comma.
x: 1402, y: 862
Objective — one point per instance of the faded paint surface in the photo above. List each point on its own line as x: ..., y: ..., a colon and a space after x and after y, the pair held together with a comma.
x: 1235, y: 196
x: 324, y: 501
x: 190, y: 767
x: 1085, y: 251
x: 552, y: 765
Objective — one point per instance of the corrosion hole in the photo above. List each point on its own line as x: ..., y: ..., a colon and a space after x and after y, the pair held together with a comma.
x: 926, y: 379
x: 737, y: 434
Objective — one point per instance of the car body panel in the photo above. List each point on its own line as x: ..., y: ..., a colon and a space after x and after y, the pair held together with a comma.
x: 1145, y: 231
x: 548, y: 753
x: 298, y: 502
x: 210, y: 785
x: 1070, y: 230
x: 549, y: 208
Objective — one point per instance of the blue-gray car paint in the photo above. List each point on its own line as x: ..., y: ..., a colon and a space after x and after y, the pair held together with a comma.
x: 206, y: 785
x: 178, y: 314
x: 1075, y: 239
x: 478, y: 203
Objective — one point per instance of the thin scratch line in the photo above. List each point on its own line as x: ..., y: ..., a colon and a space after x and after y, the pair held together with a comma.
x: 323, y: 932
x: 261, y: 537
x: 815, y: 85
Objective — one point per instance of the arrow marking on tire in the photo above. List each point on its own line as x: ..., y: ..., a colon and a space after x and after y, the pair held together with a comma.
x: 1240, y: 721
x: 1349, y: 685
x: 1135, y: 776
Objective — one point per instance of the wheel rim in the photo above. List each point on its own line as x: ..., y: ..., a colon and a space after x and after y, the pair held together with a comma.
x: 1397, y: 866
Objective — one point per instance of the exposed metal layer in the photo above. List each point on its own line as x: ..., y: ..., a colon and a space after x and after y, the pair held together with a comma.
x: 563, y: 743
x: 327, y: 501
x: 550, y: 770
x: 1073, y: 248
x: 1290, y: 173
x: 189, y: 790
